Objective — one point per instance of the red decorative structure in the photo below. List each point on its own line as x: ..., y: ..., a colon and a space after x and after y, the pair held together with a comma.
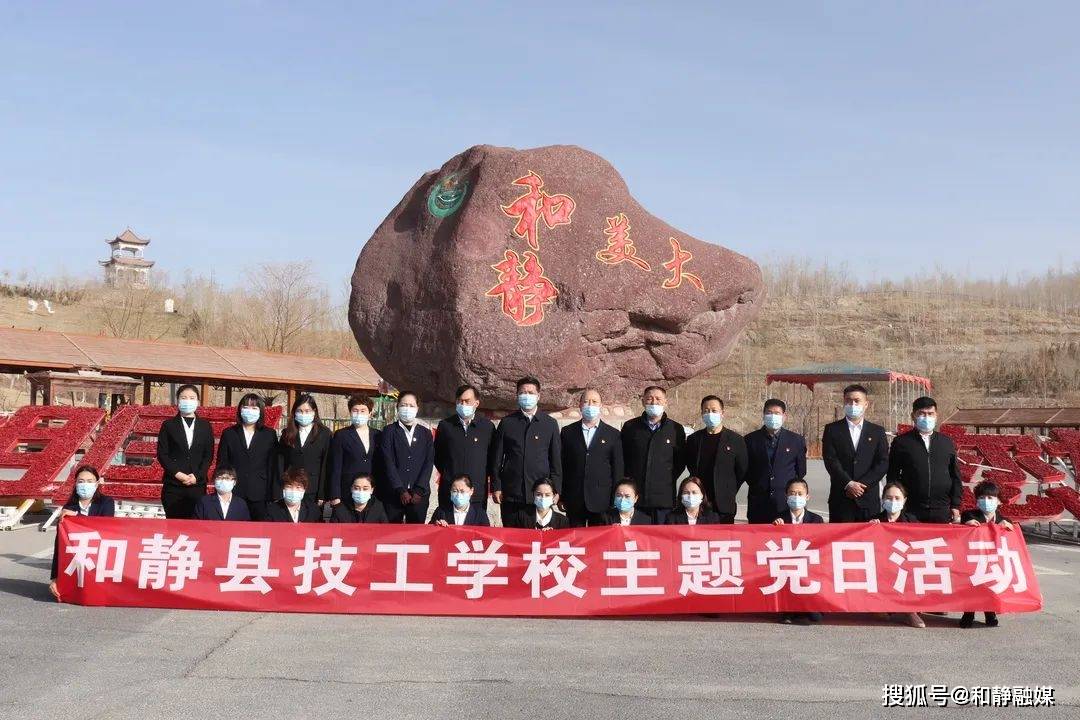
x: 48, y: 437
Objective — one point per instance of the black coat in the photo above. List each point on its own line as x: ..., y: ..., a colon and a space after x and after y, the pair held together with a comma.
x: 866, y: 464
x: 175, y: 456
x: 254, y: 465
x: 461, y: 452
x: 611, y: 517
x: 314, y: 457
x: 101, y: 506
x: 405, y: 466
x: 523, y: 452
x: 477, y: 515
x: 904, y: 517
x: 348, y: 458
x: 977, y: 514
x: 705, y: 517
x: 208, y: 508
x: 809, y: 517
x: 767, y: 481
x: 729, y: 470
x: 278, y: 512
x: 526, y: 519
x: 932, y: 479
x: 654, y: 460
x: 590, y: 474
x: 345, y: 512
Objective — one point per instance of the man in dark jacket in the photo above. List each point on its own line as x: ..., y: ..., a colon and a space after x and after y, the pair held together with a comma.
x: 526, y: 448
x: 775, y: 456
x: 717, y: 455
x: 654, y: 455
x: 592, y: 463
x: 856, y: 456
x: 924, y: 462
x: 463, y: 447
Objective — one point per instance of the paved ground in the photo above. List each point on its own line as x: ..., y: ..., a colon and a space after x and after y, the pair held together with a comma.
x: 62, y: 661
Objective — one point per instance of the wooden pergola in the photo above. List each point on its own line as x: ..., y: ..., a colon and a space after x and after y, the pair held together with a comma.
x: 1016, y: 418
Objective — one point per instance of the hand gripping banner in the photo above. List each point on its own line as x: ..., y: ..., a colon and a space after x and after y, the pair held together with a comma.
x: 428, y: 570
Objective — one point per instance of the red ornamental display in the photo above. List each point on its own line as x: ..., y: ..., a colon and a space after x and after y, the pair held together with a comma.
x: 42, y: 439
x: 426, y: 570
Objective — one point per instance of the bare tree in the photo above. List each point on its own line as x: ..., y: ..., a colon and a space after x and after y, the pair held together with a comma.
x: 282, y: 301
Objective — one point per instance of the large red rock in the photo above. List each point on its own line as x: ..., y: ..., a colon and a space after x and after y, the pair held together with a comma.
x: 539, y: 262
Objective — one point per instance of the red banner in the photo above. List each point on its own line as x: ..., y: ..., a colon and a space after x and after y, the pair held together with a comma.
x: 427, y: 570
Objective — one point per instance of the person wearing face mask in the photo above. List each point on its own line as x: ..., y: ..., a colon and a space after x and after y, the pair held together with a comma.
x: 987, y: 501
x: 542, y: 516
x: 625, y: 511
x: 856, y: 456
x: 693, y: 507
x: 185, y: 447
x: 305, y: 445
x: 463, y: 447
x: 924, y: 461
x: 527, y: 448
x: 249, y: 449
x: 224, y: 503
x: 654, y: 454
x: 592, y: 462
x: 87, y: 500
x: 775, y: 457
x: 460, y: 509
x: 796, y: 495
x: 294, y: 507
x: 408, y: 453
x: 353, y: 451
x: 893, y: 499
x: 361, y: 507
x: 717, y: 455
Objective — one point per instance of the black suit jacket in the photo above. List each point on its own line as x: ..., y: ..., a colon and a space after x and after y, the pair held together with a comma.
x: 590, y: 473
x: 458, y: 452
x: 526, y: 519
x: 345, y: 512
x: 905, y: 516
x: 767, y: 481
x: 254, y: 465
x: 729, y: 470
x: 101, y: 506
x: 809, y: 518
x: 405, y: 466
x: 348, y: 458
x: 977, y: 514
x: 523, y: 452
x: 208, y: 508
x: 611, y: 517
x: 866, y: 464
x: 175, y: 456
x: 477, y: 515
x: 932, y: 478
x: 313, y: 456
x: 278, y: 512
x: 705, y: 517
x: 655, y: 460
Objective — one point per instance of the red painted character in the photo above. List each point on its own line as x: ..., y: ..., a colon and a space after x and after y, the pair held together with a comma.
x: 620, y: 247
x: 679, y: 258
x: 536, y: 204
x: 524, y: 289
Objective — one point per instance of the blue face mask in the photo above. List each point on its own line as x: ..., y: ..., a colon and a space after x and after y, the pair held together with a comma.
x: 590, y: 412
x: 304, y: 419
x: 461, y: 500
x: 892, y: 506
x: 292, y: 496
x: 465, y: 412
x: 543, y: 503
x: 774, y: 421
x: 624, y: 504
x: 988, y: 504
x: 712, y: 419
x: 854, y: 412
x: 690, y: 500
x: 361, y: 497
x: 186, y: 406
x: 527, y: 401
x: 359, y: 419
x: 222, y: 485
x: 250, y: 415
x: 796, y: 502
x: 925, y: 423
x: 406, y: 414
x: 655, y: 412
x: 85, y: 490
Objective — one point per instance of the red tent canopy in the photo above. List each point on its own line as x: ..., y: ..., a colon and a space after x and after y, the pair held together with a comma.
x: 811, y: 375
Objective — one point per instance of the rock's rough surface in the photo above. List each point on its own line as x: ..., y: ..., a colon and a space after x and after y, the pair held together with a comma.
x: 506, y: 263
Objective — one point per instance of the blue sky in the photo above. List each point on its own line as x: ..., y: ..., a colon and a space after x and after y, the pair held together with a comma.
x: 894, y: 137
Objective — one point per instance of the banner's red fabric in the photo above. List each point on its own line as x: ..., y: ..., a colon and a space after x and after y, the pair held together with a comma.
x: 427, y: 570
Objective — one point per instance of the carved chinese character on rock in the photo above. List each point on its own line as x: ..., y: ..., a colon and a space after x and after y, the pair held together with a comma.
x: 620, y: 246
x: 523, y: 288
x: 679, y: 258
x: 537, y: 204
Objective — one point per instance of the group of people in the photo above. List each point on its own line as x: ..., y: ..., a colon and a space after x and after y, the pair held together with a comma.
x: 592, y: 472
